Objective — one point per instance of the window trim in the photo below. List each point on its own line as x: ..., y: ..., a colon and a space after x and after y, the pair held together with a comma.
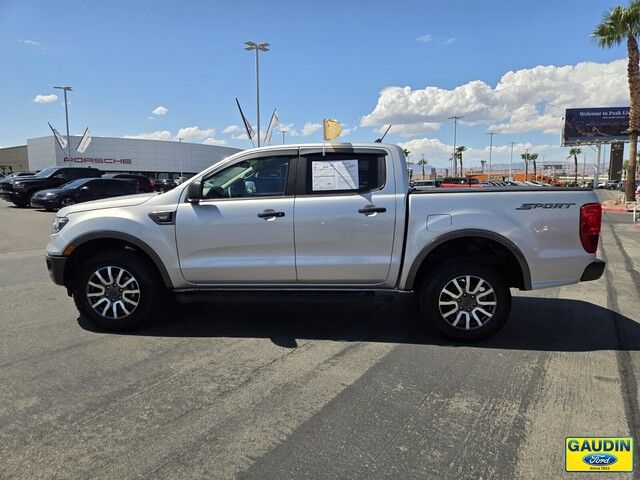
x: 289, y: 188
x: 306, y: 158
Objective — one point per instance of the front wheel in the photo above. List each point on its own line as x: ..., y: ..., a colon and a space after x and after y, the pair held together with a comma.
x: 465, y: 301
x: 116, y: 289
x: 66, y: 202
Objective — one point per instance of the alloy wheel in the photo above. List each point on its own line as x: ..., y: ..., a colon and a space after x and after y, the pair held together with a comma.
x: 113, y: 292
x: 467, y: 302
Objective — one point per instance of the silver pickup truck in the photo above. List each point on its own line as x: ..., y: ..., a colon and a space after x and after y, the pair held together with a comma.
x: 300, y: 220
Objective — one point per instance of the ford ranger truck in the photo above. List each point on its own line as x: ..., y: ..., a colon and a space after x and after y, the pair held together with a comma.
x: 310, y: 220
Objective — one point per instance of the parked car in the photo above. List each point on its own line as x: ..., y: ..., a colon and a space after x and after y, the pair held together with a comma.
x: 19, y: 190
x: 82, y: 190
x: 453, y: 182
x: 165, y: 184
x: 269, y: 221
x: 611, y: 184
x: 142, y: 183
x: 423, y: 184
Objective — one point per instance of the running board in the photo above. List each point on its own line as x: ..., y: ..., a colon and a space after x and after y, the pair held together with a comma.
x: 282, y: 296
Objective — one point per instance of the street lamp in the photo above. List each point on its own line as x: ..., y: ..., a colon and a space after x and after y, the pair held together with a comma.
x: 283, y: 131
x: 66, y: 114
x: 180, y: 148
x: 258, y: 47
x: 491, y: 134
x: 455, y: 119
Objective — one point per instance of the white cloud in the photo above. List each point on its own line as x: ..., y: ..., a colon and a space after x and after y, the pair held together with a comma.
x: 525, y: 100
x: 160, y: 110
x: 157, y: 135
x: 213, y: 141
x: 31, y: 43
x: 45, y: 98
x: 448, y: 41
x: 310, y: 128
x: 242, y: 136
x: 195, y: 132
x: 231, y: 129
x: 411, y: 129
x: 424, y: 38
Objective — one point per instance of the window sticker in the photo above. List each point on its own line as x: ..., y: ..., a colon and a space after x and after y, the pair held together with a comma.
x: 334, y: 175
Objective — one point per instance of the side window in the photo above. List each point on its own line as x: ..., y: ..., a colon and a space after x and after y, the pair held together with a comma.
x: 262, y: 177
x: 344, y: 173
x: 64, y: 172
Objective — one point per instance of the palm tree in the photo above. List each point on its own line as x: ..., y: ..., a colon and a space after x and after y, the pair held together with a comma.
x: 459, y: 151
x: 423, y: 162
x: 526, y: 157
x: 406, y: 152
x: 574, y: 152
x: 622, y: 24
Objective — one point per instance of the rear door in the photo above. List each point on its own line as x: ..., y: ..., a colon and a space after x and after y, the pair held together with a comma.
x: 344, y: 218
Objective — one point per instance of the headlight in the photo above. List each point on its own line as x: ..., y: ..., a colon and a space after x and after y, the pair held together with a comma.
x: 58, y: 224
x: 49, y: 194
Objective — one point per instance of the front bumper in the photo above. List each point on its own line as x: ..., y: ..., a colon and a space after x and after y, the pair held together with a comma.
x: 55, y: 266
x: 12, y: 196
x: 593, y: 271
x: 47, y: 203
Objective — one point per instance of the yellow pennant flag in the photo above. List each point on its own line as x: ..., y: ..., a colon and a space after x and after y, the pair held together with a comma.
x: 331, y: 129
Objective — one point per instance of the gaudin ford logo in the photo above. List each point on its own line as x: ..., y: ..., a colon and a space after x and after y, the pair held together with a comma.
x: 122, y: 161
x: 532, y: 206
x: 599, y: 454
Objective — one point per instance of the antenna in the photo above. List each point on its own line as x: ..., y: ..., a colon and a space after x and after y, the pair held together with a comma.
x: 383, y: 135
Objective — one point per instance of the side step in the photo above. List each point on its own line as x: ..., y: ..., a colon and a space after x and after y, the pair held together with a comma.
x: 283, y: 296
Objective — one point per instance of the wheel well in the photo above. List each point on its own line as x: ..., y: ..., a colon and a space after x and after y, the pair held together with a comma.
x: 485, y: 250
x: 91, y: 247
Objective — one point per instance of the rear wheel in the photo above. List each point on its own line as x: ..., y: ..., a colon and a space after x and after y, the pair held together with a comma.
x: 116, y: 289
x: 465, y: 301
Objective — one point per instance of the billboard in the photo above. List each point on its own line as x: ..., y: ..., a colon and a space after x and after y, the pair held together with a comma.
x: 595, y: 125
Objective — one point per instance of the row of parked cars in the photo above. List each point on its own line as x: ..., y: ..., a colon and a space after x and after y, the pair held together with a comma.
x: 56, y: 187
x: 454, y: 182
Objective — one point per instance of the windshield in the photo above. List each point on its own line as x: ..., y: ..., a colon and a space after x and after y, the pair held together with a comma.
x: 46, y: 172
x: 75, y: 183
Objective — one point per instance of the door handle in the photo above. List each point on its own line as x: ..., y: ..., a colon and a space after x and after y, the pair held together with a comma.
x: 270, y: 214
x: 369, y: 209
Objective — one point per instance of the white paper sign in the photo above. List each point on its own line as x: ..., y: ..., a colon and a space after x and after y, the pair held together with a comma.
x: 335, y: 175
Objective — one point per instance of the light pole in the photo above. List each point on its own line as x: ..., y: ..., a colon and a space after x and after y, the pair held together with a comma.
x: 283, y: 131
x: 66, y: 114
x: 258, y: 47
x: 491, y: 134
x: 455, y: 119
x: 511, y: 163
x: 180, y: 148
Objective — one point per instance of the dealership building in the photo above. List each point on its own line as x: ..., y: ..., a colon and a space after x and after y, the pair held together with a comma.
x: 154, y: 158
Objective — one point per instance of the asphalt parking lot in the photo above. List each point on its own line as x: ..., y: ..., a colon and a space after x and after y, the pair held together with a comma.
x: 329, y: 390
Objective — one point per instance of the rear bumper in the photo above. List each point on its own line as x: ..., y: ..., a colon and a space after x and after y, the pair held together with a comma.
x: 593, y: 271
x: 55, y: 266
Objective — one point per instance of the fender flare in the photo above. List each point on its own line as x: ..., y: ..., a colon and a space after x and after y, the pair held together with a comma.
x: 136, y: 242
x: 470, y: 232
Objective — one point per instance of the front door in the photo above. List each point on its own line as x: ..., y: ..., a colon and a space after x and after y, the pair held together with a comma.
x: 345, y: 219
x: 241, y: 232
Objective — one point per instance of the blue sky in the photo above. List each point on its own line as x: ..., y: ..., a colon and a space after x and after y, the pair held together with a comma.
x: 327, y: 59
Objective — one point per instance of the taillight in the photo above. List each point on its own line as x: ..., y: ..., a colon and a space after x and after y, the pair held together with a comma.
x: 590, y: 219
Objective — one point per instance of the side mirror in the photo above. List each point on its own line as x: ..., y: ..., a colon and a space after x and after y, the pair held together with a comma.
x: 84, y: 188
x: 59, y: 176
x: 194, y: 191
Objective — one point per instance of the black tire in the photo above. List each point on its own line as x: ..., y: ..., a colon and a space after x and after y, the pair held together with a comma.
x: 68, y: 201
x: 21, y: 203
x: 148, y: 282
x: 480, y: 326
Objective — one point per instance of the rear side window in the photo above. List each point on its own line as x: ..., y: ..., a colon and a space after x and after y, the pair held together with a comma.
x: 344, y: 173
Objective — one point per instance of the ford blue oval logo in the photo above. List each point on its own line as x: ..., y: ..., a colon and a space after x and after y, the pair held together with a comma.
x: 599, y: 459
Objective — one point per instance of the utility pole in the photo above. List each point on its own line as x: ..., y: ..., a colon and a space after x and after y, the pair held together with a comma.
x: 283, y: 131
x: 66, y: 114
x: 491, y: 134
x: 258, y: 47
x: 511, y: 163
x: 455, y: 119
